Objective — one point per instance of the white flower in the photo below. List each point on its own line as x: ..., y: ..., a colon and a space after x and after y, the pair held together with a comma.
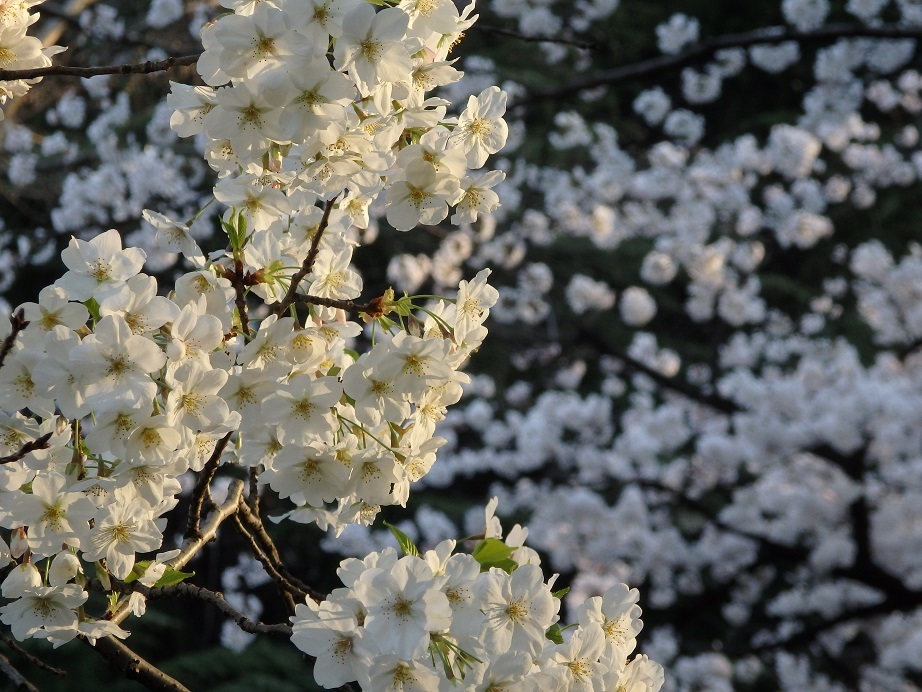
x: 404, y: 605
x: 48, y: 608
x: 637, y: 306
x: 477, y: 197
x: 113, y: 365
x: 371, y: 48
x: 53, y: 515
x: 98, y: 266
x: 481, y: 130
x: 124, y: 527
x: 423, y: 196
x: 519, y: 608
x: 330, y: 632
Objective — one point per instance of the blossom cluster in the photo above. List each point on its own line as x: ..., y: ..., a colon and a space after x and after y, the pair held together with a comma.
x: 110, y: 392
x: 482, y: 621
x: 19, y: 50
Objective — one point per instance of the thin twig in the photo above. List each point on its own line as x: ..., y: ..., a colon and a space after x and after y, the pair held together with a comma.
x: 255, y: 527
x: 499, y: 31
x: 34, y: 660
x: 308, y: 264
x: 87, y: 72
x: 213, y: 598
x: 31, y: 446
x: 201, y: 488
x: 707, y: 48
x: 286, y: 588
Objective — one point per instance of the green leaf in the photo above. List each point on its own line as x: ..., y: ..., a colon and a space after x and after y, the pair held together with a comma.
x: 406, y: 545
x: 93, y: 308
x: 140, y: 567
x: 173, y: 576
x: 554, y: 634
x: 102, y: 575
x: 561, y: 593
x: 492, y: 552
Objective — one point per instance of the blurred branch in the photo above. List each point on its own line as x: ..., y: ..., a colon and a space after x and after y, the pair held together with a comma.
x: 707, y: 48
x: 86, y: 72
x: 538, y: 38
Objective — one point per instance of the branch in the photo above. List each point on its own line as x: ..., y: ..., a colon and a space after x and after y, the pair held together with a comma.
x: 256, y: 530
x: 707, y: 48
x: 86, y: 72
x: 133, y: 667
x: 674, y: 384
x: 236, y: 277
x: 191, y: 591
x: 37, y: 443
x: 34, y: 660
x: 348, y: 305
x: 19, y: 322
x: 537, y: 38
x: 287, y: 590
x: 201, y: 488
x: 308, y: 264
x: 16, y: 678
x: 192, y: 545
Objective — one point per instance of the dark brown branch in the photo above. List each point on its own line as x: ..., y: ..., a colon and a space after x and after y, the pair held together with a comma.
x: 253, y: 494
x: 200, y: 593
x: 34, y: 660
x: 347, y: 305
x: 287, y: 590
x: 192, y: 545
x: 308, y: 264
x: 201, y: 488
x: 19, y: 322
x: 238, y: 281
x: 16, y: 678
x: 86, y: 72
x: 37, y: 443
x: 254, y: 527
x: 133, y: 667
x: 707, y: 48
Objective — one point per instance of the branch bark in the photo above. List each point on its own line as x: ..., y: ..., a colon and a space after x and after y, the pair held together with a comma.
x: 192, y: 545
x: 308, y: 264
x: 201, y: 488
x: 87, y: 72
x: 133, y: 667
